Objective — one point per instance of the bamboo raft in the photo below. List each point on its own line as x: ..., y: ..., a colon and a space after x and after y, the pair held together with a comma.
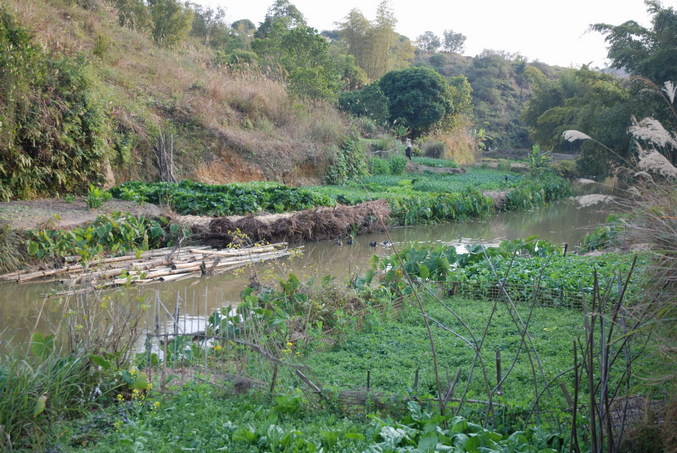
x: 165, y: 264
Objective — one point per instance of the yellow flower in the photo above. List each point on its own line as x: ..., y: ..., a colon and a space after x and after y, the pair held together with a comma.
x: 218, y: 347
x: 119, y: 397
x: 156, y: 404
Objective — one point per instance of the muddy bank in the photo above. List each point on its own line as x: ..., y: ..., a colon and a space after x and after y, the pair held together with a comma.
x: 60, y: 214
x: 339, y: 222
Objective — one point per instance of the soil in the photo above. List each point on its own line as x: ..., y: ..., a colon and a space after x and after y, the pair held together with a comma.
x: 61, y: 214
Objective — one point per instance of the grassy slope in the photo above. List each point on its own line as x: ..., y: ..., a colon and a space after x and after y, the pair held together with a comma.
x: 228, y: 127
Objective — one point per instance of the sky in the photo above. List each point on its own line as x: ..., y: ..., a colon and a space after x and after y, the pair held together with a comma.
x: 551, y: 31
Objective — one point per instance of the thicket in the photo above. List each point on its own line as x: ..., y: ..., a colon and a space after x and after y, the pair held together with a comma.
x: 54, y: 132
x: 349, y: 163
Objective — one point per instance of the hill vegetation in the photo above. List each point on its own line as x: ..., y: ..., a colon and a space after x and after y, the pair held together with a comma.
x: 105, y: 91
x: 108, y: 93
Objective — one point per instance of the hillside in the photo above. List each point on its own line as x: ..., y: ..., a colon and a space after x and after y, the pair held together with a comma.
x: 501, y: 83
x: 225, y: 125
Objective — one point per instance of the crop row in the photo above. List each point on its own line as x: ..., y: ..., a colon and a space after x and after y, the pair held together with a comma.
x: 189, y: 197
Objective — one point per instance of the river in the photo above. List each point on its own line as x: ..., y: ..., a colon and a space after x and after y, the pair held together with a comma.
x: 565, y: 222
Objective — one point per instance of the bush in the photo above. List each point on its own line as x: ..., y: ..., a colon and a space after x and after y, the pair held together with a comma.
x: 378, y: 166
x: 366, y: 127
x: 397, y: 164
x: 53, y: 131
x: 565, y: 168
x: 434, y: 150
x: 96, y: 197
x: 504, y: 165
x: 369, y: 102
x: 349, y: 163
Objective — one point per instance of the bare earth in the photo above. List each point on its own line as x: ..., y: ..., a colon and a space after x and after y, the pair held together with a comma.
x: 59, y: 214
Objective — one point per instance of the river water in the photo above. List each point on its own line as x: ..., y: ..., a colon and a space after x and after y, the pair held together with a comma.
x: 566, y: 222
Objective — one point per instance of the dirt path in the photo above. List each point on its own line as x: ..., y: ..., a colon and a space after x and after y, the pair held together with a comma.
x: 60, y: 214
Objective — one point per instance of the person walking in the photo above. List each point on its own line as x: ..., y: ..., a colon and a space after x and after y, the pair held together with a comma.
x: 407, y: 152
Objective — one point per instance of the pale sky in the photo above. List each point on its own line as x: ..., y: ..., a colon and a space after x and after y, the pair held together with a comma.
x: 551, y: 31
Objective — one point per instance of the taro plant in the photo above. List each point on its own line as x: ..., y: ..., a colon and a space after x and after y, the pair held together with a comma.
x: 115, y: 233
x: 96, y: 197
x: 539, y: 162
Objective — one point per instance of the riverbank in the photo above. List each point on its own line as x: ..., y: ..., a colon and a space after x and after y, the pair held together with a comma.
x: 223, y: 215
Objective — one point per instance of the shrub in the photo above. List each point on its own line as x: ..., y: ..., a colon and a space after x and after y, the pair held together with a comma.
x: 378, y: 166
x: 565, y: 168
x: 349, y: 163
x: 366, y: 127
x: 397, y: 164
x: 434, y: 150
x: 96, y: 197
x: 504, y: 165
x: 369, y: 102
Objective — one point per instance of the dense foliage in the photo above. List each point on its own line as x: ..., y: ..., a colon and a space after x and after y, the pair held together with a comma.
x: 647, y: 52
x: 348, y: 163
x: 53, y: 131
x: 419, y: 97
x: 422, y: 198
x: 188, y: 197
x: 594, y: 103
x: 116, y: 233
x: 525, y: 264
x: 198, y: 418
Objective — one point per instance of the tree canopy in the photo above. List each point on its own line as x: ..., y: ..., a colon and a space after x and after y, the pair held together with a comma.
x: 376, y: 46
x: 647, y: 52
x: 419, y: 96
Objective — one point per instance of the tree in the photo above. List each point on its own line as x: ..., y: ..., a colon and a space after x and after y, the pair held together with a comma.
x: 418, y: 96
x: 303, y: 56
x: 133, y: 14
x: 382, y: 37
x: 428, y: 42
x: 281, y: 15
x: 312, y: 73
x: 171, y: 20
x: 646, y: 52
x: 376, y: 47
x: 369, y: 101
x: 594, y: 103
x: 242, y: 32
x: 209, y: 25
x: 355, y: 30
x: 453, y: 42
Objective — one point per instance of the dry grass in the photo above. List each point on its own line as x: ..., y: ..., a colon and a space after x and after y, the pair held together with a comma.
x: 459, y: 145
x: 308, y: 225
x: 654, y: 224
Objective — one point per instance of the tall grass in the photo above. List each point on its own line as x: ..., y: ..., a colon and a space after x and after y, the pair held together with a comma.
x: 35, y: 393
x: 458, y: 145
x: 10, y: 255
